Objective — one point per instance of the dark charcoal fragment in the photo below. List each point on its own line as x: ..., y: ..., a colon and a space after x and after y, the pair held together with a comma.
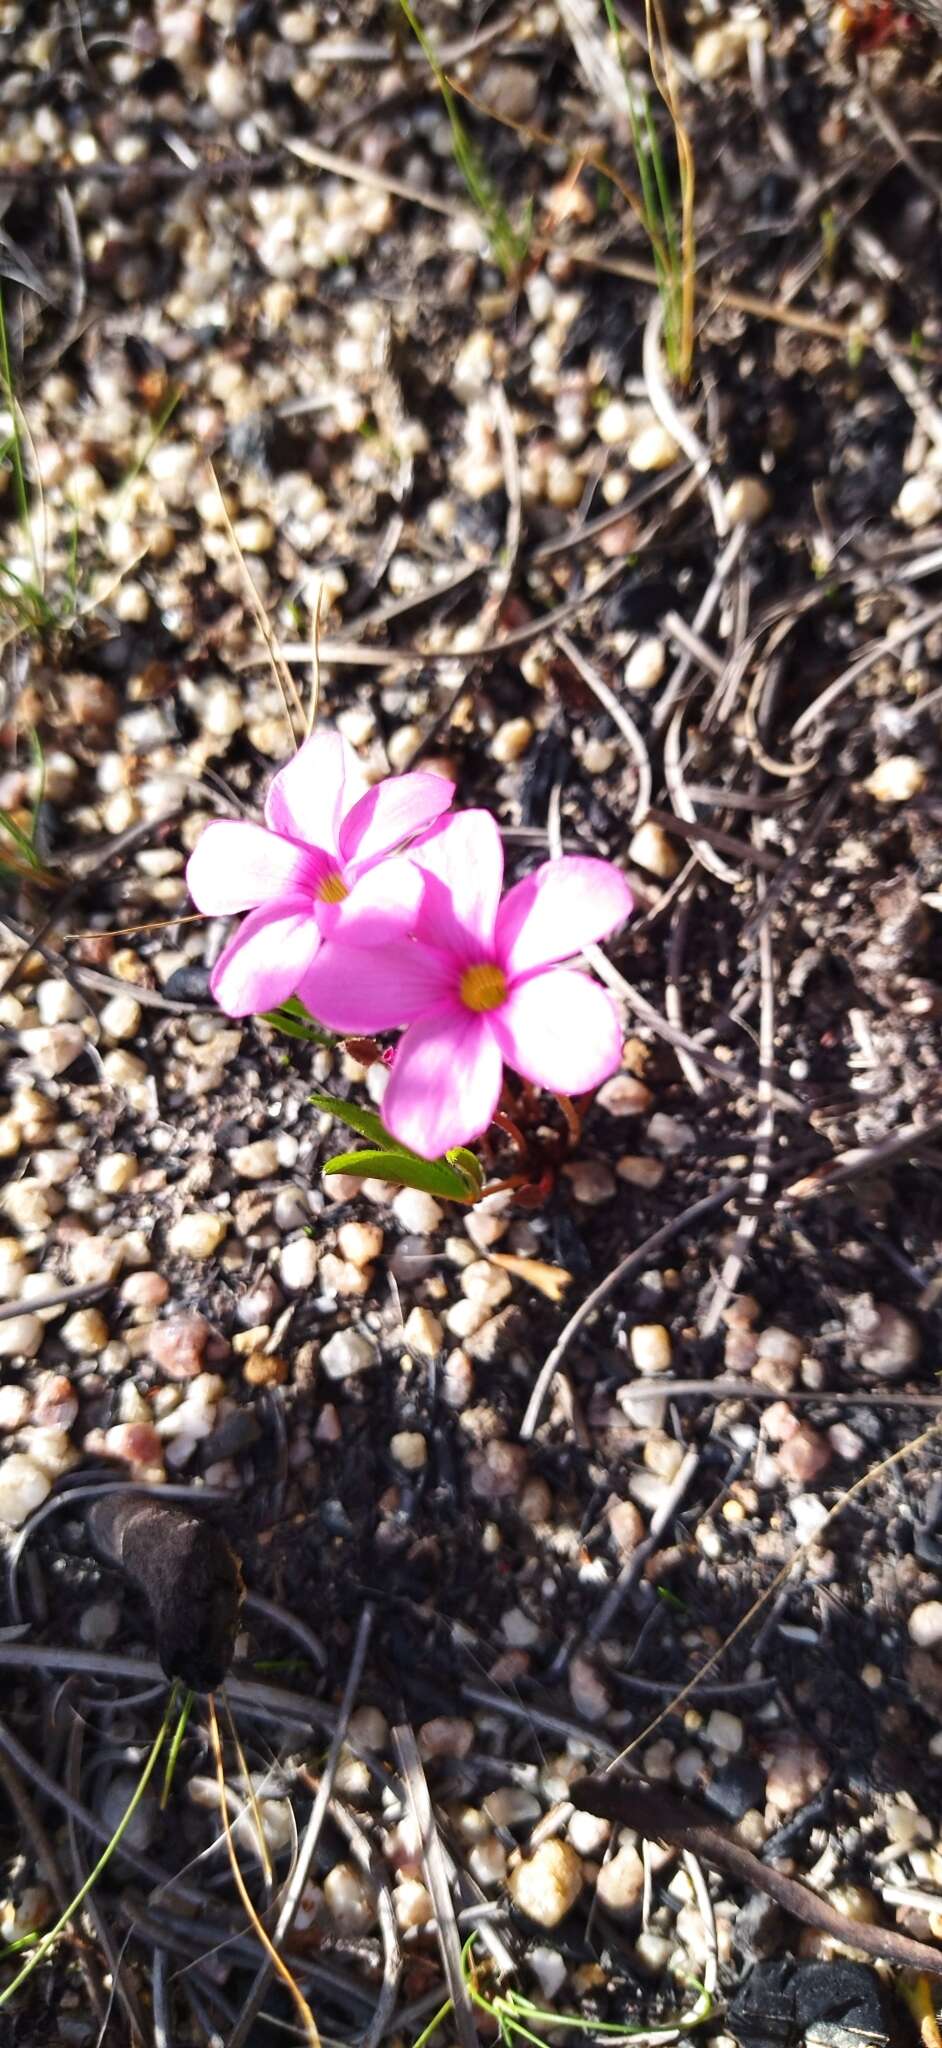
x: 188, y: 1575
x: 760, y: 1928
x: 735, y: 1787
x: 823, y: 2005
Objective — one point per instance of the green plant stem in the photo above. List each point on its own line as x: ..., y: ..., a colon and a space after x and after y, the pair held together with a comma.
x: 20, y: 490
x: 175, y: 1747
x: 42, y: 1950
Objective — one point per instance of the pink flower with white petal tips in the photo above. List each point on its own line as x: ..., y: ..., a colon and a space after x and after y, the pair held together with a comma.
x: 321, y: 876
x: 482, y: 983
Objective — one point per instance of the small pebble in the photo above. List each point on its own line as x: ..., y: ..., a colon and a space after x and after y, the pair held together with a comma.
x: 626, y: 1525
x: 177, y: 1345
x: 120, y: 1018
x: 409, y: 1449
x: 21, y: 1336
x: 546, y: 1885
x: 886, y: 1340
x: 511, y: 740
x: 360, y: 1243
x: 412, y: 1904
x: 417, y: 1212
x: 639, y: 1171
x: 346, y: 1354
x: 198, y: 1235
x: 499, y: 1472
x: 23, y: 1488
x: 724, y: 1732
x: 805, y: 1455
x: 446, y: 1735
x: 86, y: 1332
x: 925, y: 1624
x: 651, y: 848
x: 748, y: 501
x: 624, y: 1096
x: 423, y: 1333
x: 651, y: 1348
x: 96, y: 1261
x: 895, y: 781
x: 145, y: 1289
x: 592, y: 1181
x: 457, y: 1379
x: 58, y: 1003
x: 349, y: 1900
x: 297, y: 1264
x: 15, y: 1407
x: 140, y: 1830
x: 653, y: 448
x: 258, y: 1161
x: 588, y: 1694
x: 646, y: 664
x: 720, y: 50
x: 51, y: 1050
x: 797, y: 1770
x: 920, y: 500
x: 99, y: 1623
x: 135, y: 1443
x: 671, y: 1135
x: 620, y: 1883
x: 115, y: 1171
x: 486, y: 1284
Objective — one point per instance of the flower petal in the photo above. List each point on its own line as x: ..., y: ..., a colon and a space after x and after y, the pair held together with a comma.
x: 464, y: 861
x: 560, y: 1030
x: 392, y: 812
x: 376, y: 988
x: 265, y: 960
x: 565, y: 905
x: 236, y: 865
x: 445, y: 1082
x: 382, y: 905
x: 310, y: 794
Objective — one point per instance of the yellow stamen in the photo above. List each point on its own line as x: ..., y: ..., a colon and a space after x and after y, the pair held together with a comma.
x: 332, y: 889
x: 483, y: 987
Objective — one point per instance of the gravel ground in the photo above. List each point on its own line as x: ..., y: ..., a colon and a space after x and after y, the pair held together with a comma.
x: 488, y: 1496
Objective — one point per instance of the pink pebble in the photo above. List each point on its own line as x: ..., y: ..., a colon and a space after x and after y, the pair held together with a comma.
x: 145, y: 1290
x: 177, y: 1345
x: 136, y: 1443
x: 805, y: 1456
x: 55, y: 1403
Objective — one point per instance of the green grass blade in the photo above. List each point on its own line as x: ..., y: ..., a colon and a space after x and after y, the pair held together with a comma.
x: 42, y: 1948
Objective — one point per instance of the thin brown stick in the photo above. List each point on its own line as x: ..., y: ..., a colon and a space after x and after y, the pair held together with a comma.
x: 666, y: 1816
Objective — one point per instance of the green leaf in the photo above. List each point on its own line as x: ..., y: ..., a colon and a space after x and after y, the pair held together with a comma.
x: 295, y: 1021
x: 468, y: 1164
x: 364, y: 1121
x: 433, y: 1176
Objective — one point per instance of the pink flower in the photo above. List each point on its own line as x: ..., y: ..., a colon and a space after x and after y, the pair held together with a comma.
x: 316, y: 878
x: 481, y: 983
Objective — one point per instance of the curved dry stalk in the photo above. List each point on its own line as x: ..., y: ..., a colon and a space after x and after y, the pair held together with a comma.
x: 310, y: 1838
x: 280, y: 1967
x: 758, y: 1181
x: 874, y: 1472
x: 619, y: 716
x: 674, y: 422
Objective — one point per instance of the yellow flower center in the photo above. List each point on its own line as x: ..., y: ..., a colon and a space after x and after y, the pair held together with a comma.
x: 332, y: 889
x: 483, y: 987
